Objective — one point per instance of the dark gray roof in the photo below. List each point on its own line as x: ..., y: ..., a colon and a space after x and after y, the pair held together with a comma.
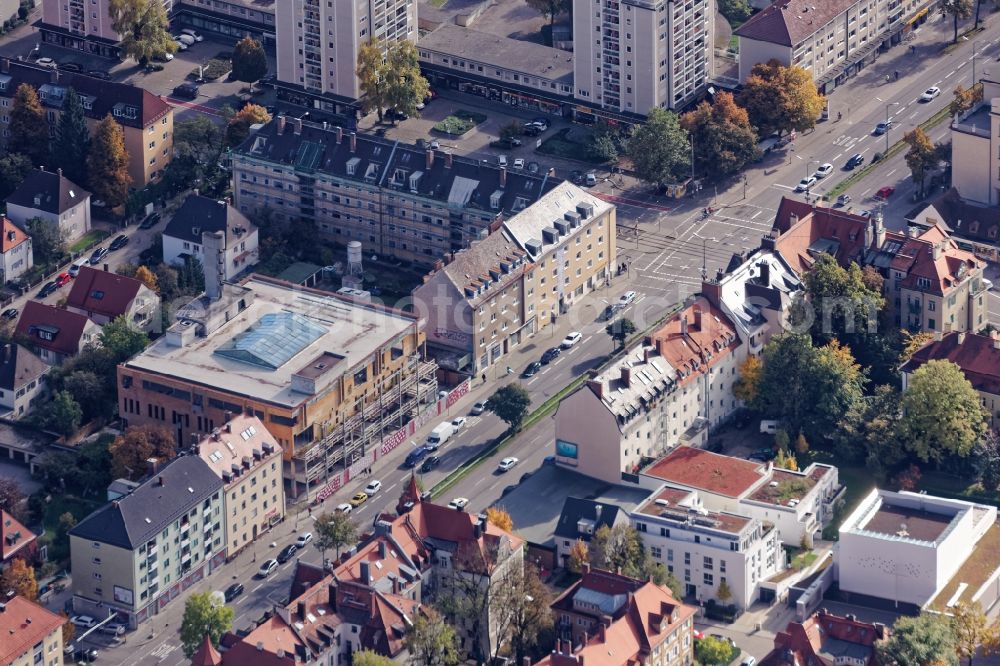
x: 467, y: 183
x: 139, y: 516
x: 49, y: 192
x: 200, y: 214
x: 18, y: 366
x: 576, y: 509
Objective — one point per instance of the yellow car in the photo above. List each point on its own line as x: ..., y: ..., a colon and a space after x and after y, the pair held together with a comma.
x: 359, y: 499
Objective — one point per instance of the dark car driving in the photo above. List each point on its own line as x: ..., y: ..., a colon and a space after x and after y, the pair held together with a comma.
x: 429, y: 464
x: 233, y: 591
x: 550, y: 355
x: 286, y: 553
x: 856, y: 160
x: 532, y: 369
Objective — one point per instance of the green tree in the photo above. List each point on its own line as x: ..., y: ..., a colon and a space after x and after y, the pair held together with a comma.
x: 921, y: 157
x: 511, y: 130
x: 71, y: 144
x: 942, y: 413
x: 67, y: 521
x: 334, y: 530
x: 143, y: 26
x: 526, y: 601
x: 198, y: 144
x: 617, y: 547
x: 370, y: 658
x: 550, y: 9
x: 431, y: 641
x: 510, y: 403
x: 840, y: 302
x: 10, y: 496
x: 713, y: 651
x: 735, y: 11
x: 620, y: 330
x: 48, y: 242
x: 724, y: 593
x: 238, y: 128
x: 970, y: 627
x: 958, y: 9
x: 19, y: 578
x: 722, y: 134
x: 29, y: 129
x: 204, y: 616
x: 781, y: 440
x: 61, y: 414
x: 780, y: 98
x: 90, y: 392
x: 130, y: 451
x: 107, y: 163
x: 406, y: 87
x: 915, y: 641
x: 122, y: 341
x: 371, y: 78
x: 14, y: 168
x: 249, y: 60
x: 659, y: 149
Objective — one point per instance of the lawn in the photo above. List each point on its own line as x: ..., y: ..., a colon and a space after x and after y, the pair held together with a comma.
x: 858, y: 482
x: 215, y: 68
x: 979, y: 566
x: 948, y: 485
x: 88, y: 239
x: 560, y: 145
x: 459, y: 122
x: 60, y: 504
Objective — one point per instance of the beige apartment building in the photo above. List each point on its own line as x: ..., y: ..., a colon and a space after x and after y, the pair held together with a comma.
x: 32, y: 635
x: 396, y: 200
x: 975, y: 135
x: 318, y: 43
x: 635, y: 55
x: 244, y: 455
x: 486, y: 300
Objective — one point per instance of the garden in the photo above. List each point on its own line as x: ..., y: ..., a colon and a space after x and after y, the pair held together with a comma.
x: 459, y: 122
x: 216, y: 67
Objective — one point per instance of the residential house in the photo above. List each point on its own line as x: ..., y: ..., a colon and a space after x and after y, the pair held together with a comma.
x: 974, y: 226
x: 397, y: 200
x: 977, y: 355
x: 705, y: 548
x: 146, y: 119
x: 832, y: 40
x: 55, y: 334
x: 486, y: 300
x: 103, y: 296
x: 16, y: 255
x: 797, y: 503
x: 975, y: 148
x: 580, y: 519
x: 53, y: 198
x: 137, y: 553
x: 607, y: 618
x: 910, y: 549
x: 825, y: 639
x: 16, y: 541
x: 22, y: 380
x: 198, y: 215
x: 248, y: 460
x: 308, y: 363
x: 32, y: 635
x: 667, y: 390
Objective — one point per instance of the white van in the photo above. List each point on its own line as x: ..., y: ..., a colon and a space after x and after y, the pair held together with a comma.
x: 441, y: 433
x: 74, y: 270
x: 768, y: 427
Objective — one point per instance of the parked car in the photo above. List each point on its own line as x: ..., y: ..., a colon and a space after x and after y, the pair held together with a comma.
x: 286, y: 553
x: 550, y: 355
x: 118, y: 243
x: 571, y: 340
x: 507, y: 464
x: 186, y: 90
x: 532, y: 369
x: 97, y: 255
x: 191, y: 33
x: 99, y: 74
x: 344, y: 508
x: 844, y: 199
x: 48, y: 63
x: 113, y: 629
x: 429, y: 464
x: 150, y: 221
x: 519, y: 163
x: 502, y: 160
x: 576, y: 176
x: 9, y: 313
x: 531, y: 130
x: 885, y: 192
x: 393, y: 114
x: 70, y: 67
x: 84, y: 621
x: 457, y: 423
x: 590, y: 179
x: 85, y: 655
x: 478, y: 408
x: 459, y: 503
x: 267, y: 568
x: 185, y: 39
x: 373, y: 487
x: 63, y: 279
x: 541, y: 122
x: 930, y: 94
x: 805, y: 183
x: 233, y: 591
x: 181, y: 46
x: 508, y: 143
x: 856, y: 160
x: 49, y: 288
x: 824, y: 170
x: 533, y: 167
x: 415, y: 456
x: 304, y: 539
x: 359, y: 499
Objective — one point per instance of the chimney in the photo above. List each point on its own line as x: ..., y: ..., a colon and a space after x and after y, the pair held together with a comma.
x: 59, y: 171
x: 332, y: 600
x: 627, y: 375
x: 793, y: 219
x: 354, y: 142
x: 936, y: 250
x: 366, y: 576
x: 430, y: 159
x: 602, y: 632
x: 697, y: 319
x: 586, y: 567
x: 765, y: 274
x: 597, y: 387
x: 524, y: 662
x: 338, y: 133
x: 381, y: 549
x: 996, y: 343
x: 107, y: 269
x: 961, y: 338
x: 447, y: 160
x: 5, y: 65
x: 684, y: 325
x: 477, y: 530
x: 503, y: 177
x: 195, y: 440
x: 6, y: 352
x: 297, y: 124
x: 912, y: 232
x: 712, y: 291
x: 879, y: 228
x: 302, y: 609
x: 584, y: 638
x: 227, y: 417
x: 281, y: 130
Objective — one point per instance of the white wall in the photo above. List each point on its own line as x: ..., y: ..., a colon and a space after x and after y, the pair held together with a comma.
x: 583, y: 420
x: 174, y: 247
x: 971, y: 174
x: 17, y: 261
x: 75, y: 222
x: 753, y: 52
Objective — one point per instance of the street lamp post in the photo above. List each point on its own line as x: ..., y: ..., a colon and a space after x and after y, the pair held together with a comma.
x: 887, y: 126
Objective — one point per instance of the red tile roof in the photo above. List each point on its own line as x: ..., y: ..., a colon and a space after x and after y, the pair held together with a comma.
x: 102, y: 292
x: 915, y: 257
x: 822, y: 639
x: 69, y: 327
x: 24, y: 623
x: 13, y: 536
x: 977, y: 355
x: 711, y: 472
x: 695, y: 339
x: 206, y: 655
x: 798, y: 225
x: 13, y: 236
x: 790, y: 22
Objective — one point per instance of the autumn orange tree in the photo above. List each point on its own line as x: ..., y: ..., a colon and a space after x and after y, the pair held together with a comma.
x: 781, y: 99
x: 921, y: 157
x: 130, y: 451
x: 239, y: 125
x: 723, y: 136
x: 108, y: 163
x: 29, y: 129
x: 147, y: 277
x: 500, y: 518
x: 19, y: 578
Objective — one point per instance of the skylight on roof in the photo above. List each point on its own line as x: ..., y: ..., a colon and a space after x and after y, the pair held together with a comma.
x: 273, y: 341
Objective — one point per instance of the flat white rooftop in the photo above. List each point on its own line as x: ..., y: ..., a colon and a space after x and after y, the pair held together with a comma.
x: 312, y: 334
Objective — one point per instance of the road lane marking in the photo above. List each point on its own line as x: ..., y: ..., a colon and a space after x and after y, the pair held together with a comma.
x: 949, y: 74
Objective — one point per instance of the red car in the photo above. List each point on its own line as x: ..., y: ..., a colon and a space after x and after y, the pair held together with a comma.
x: 63, y: 279
x: 885, y: 192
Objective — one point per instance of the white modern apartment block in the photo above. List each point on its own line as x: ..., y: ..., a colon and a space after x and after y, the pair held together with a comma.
x: 703, y: 548
x: 635, y: 55
x: 318, y: 43
x: 975, y: 135
x: 799, y: 504
x: 666, y: 391
x: 905, y: 547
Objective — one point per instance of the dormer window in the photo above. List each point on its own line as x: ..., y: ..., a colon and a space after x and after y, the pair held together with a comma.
x: 97, y: 295
x: 923, y: 283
